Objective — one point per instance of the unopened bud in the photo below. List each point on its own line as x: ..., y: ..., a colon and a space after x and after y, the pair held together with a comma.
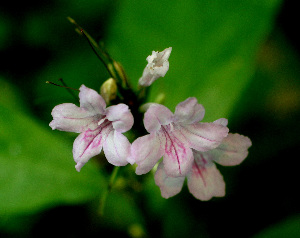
x: 120, y: 71
x: 108, y: 90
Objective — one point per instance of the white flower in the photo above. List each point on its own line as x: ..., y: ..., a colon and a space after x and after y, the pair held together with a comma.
x: 99, y: 127
x: 157, y: 67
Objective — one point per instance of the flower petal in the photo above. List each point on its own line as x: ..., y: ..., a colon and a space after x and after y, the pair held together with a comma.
x: 221, y: 121
x: 116, y: 148
x: 91, y: 100
x: 189, y: 111
x: 204, y: 136
x: 158, y: 66
x: 232, y: 151
x: 69, y: 117
x: 178, y: 157
x: 146, y: 151
x: 120, y: 116
x: 156, y: 116
x: 205, y: 181
x: 169, y: 186
x: 89, y: 144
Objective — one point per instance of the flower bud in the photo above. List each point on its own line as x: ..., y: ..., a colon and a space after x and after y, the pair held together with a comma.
x: 108, y: 90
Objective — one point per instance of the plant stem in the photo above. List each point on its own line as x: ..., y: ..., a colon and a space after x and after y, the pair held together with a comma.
x: 109, y: 188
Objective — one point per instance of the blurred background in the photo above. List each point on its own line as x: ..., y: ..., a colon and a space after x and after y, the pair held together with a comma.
x: 239, y: 58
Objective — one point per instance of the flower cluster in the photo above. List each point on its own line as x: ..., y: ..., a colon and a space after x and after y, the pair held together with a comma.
x: 189, y: 147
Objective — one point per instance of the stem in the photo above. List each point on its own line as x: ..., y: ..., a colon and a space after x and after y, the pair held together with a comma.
x: 108, y: 190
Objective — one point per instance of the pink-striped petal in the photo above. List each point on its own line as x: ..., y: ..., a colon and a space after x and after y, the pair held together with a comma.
x: 116, y: 148
x: 169, y: 186
x: 156, y: 116
x: 178, y: 157
x: 146, y: 151
x: 205, y: 180
x: 69, y: 117
x: 91, y: 100
x: 89, y: 144
x: 189, y: 111
x: 121, y: 117
x: 204, y: 136
x: 232, y: 151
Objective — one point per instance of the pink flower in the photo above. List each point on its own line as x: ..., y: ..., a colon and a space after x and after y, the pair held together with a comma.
x: 204, y: 179
x: 98, y: 127
x: 158, y: 66
x: 173, y: 136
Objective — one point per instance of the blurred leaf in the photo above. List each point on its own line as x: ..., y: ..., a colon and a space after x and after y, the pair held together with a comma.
x: 37, y: 168
x: 289, y: 228
x: 122, y: 213
x: 214, y: 45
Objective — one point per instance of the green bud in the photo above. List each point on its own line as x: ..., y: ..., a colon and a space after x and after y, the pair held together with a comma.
x: 108, y: 90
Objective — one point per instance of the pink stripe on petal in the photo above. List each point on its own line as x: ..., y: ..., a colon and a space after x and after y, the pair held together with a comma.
x: 205, y: 181
x: 204, y: 136
x: 69, y: 117
x: 89, y: 143
x: 178, y: 157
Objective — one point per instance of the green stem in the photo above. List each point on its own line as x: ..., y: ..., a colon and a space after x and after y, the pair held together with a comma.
x: 108, y: 190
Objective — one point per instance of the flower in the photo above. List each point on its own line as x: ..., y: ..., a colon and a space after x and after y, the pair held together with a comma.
x: 157, y: 67
x: 98, y: 127
x: 173, y: 136
x: 204, y: 179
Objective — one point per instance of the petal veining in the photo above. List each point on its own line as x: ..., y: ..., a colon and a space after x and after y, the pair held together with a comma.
x: 178, y: 157
x: 204, y: 136
x: 69, y: 117
x: 89, y: 143
x: 205, y: 181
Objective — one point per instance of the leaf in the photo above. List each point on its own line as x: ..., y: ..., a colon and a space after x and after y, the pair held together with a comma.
x: 288, y: 228
x: 37, y: 167
x: 214, y: 46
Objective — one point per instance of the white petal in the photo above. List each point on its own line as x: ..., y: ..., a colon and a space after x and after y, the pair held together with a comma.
x: 158, y: 66
x: 146, y: 151
x: 156, y: 116
x: 116, y: 148
x: 204, y: 136
x: 189, y: 111
x: 232, y: 151
x: 121, y: 117
x: 91, y: 100
x: 221, y: 121
x: 69, y: 117
x: 205, y: 181
x: 169, y: 186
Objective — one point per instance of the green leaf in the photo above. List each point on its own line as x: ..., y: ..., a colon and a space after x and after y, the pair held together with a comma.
x: 37, y: 167
x: 214, y: 46
x: 122, y: 213
x: 288, y: 228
